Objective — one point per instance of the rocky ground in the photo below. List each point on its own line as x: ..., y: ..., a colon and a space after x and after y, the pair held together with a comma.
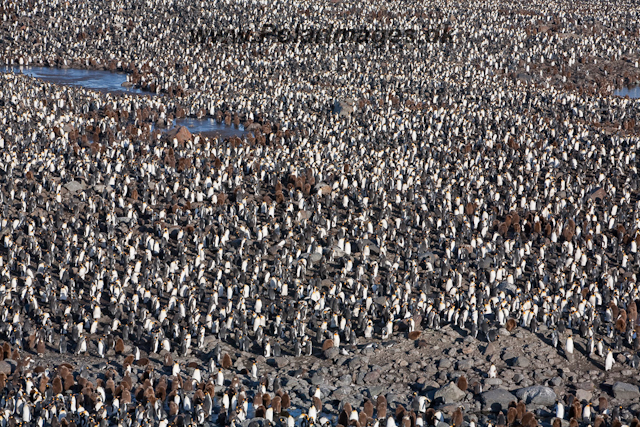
x: 528, y: 369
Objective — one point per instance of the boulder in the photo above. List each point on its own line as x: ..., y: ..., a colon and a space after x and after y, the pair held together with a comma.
x: 521, y: 362
x: 496, y: 400
x: 537, y: 395
x: 332, y: 352
x: 625, y: 391
x: 180, y: 133
x: 281, y: 362
x: 6, y: 367
x: 343, y: 107
x: 583, y: 395
x: 598, y: 193
x: 449, y: 393
x: 74, y: 186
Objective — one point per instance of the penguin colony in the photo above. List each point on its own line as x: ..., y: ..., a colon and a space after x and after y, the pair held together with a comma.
x: 480, y: 193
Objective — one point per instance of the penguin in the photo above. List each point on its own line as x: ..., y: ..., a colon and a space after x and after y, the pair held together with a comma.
x: 608, y: 363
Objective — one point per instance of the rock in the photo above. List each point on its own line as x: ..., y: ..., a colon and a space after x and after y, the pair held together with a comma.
x: 342, y: 393
x: 5, y: 367
x: 556, y: 381
x: 583, y: 395
x: 315, y: 257
x: 372, y: 376
x: 465, y: 364
x: 444, y: 364
x: 496, y: 400
x: 345, y: 379
x: 521, y: 362
x: 323, y: 188
x: 489, y: 349
x: 493, y: 381
x: 252, y: 127
x: 508, y: 288
x: 586, y: 385
x: 180, y: 133
x: 368, y: 350
x: 450, y: 393
x: 74, y: 186
x: 598, y: 193
x: 625, y: 391
x: 343, y: 107
x: 332, y: 352
x: 255, y: 422
x: 281, y: 362
x: 537, y: 395
x: 317, y: 379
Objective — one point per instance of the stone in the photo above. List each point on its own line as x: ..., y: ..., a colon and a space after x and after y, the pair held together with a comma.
x: 537, y: 395
x: 315, y: 257
x: 586, y: 385
x: 372, y: 376
x: 598, y: 193
x: 450, y: 393
x: 625, y: 391
x: 444, y: 364
x: 281, y: 362
x: 583, y: 395
x: 255, y: 422
x: 508, y: 288
x: 317, y: 379
x: 180, y: 133
x: 74, y: 186
x: 5, y: 367
x: 323, y: 189
x: 470, y: 348
x: 332, y: 352
x: 346, y: 379
x: 556, y: 381
x: 368, y: 350
x: 521, y: 362
x: 496, y: 400
x: 342, y: 393
x: 343, y: 107
x: 489, y: 349
x: 465, y: 364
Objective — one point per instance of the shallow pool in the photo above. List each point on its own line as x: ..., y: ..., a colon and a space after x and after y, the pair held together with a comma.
x: 107, y: 81
x: 91, y: 79
x: 633, y: 92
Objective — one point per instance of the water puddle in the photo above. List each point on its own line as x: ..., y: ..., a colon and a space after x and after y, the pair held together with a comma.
x: 111, y: 82
x: 100, y: 80
x: 208, y: 127
x: 633, y: 92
